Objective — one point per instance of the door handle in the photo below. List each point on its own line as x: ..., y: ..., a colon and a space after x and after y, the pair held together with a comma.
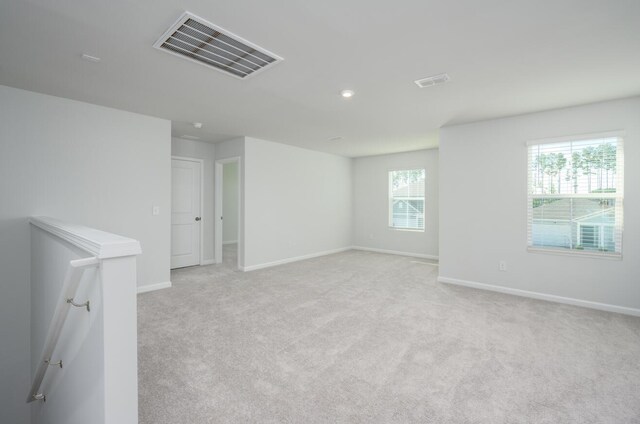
x: 198, y: 218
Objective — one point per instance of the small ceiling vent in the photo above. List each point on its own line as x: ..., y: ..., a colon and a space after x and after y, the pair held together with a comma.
x: 195, y: 39
x: 434, y: 80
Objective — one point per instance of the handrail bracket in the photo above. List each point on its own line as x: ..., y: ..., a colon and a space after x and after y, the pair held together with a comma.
x: 53, y: 364
x: 40, y: 396
x: 80, y: 305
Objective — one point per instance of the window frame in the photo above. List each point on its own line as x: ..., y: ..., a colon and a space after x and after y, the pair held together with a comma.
x: 617, y: 196
x: 391, y: 198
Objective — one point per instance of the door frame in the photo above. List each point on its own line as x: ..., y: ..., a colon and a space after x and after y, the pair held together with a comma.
x: 219, y: 165
x: 201, y: 162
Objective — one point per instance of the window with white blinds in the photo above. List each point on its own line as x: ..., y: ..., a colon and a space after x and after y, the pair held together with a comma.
x: 406, y: 199
x: 575, y: 195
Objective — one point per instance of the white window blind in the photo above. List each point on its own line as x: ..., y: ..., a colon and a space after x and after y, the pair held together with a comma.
x: 575, y: 195
x: 406, y: 199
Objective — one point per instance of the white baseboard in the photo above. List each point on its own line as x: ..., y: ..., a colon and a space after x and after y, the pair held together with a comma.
x: 395, y: 252
x: 208, y: 262
x: 294, y: 259
x: 542, y: 296
x: 153, y: 287
x: 230, y: 242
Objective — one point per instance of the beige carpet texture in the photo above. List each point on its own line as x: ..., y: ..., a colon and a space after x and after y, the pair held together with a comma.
x: 361, y: 337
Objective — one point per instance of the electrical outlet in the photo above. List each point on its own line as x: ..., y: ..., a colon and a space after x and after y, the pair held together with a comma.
x: 502, y: 265
x: 156, y: 210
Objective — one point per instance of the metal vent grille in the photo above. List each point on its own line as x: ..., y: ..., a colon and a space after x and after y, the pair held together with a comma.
x: 195, y: 39
x: 434, y: 80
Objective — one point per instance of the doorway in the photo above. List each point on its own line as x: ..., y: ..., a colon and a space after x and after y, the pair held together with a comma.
x: 227, y: 201
x: 186, y: 212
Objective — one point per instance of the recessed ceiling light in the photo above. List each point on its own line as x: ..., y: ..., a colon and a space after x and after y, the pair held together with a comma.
x: 347, y: 93
x: 336, y: 138
x: 90, y: 58
x: 197, y: 125
x: 433, y: 80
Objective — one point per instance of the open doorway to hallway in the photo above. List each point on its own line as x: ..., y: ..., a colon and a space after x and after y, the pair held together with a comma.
x: 227, y: 197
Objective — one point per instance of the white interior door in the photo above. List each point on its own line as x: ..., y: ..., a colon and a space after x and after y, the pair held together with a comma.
x: 186, y: 218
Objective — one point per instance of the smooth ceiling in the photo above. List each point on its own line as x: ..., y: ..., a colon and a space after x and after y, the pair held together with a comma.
x: 504, y: 58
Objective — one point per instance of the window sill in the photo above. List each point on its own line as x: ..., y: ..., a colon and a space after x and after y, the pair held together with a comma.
x: 410, y: 230
x: 577, y: 253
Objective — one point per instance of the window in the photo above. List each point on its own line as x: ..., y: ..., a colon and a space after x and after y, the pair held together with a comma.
x: 406, y: 199
x: 576, y: 195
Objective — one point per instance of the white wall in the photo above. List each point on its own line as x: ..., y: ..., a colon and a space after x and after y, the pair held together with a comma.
x: 371, y: 203
x: 205, y: 151
x: 230, y: 148
x: 483, y: 206
x: 297, y: 202
x: 81, y: 163
x: 230, y: 200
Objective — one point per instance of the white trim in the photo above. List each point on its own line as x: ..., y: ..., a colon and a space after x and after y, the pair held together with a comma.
x: 230, y: 242
x: 208, y: 262
x: 396, y: 252
x: 542, y: 296
x: 575, y: 252
x: 100, y: 244
x: 295, y: 259
x: 408, y: 229
x: 579, y: 137
x: 425, y: 263
x: 152, y: 287
x: 230, y: 159
x: 575, y: 196
x: 187, y: 158
x: 201, y: 162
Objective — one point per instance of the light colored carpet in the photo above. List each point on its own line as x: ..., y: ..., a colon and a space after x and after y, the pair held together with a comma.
x: 361, y: 337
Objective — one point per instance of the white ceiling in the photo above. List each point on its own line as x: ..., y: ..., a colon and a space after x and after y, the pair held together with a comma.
x: 505, y: 57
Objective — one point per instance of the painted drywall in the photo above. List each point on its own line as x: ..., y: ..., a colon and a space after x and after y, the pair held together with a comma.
x: 230, y: 198
x: 297, y: 202
x: 80, y: 163
x: 230, y: 148
x: 483, y: 206
x: 371, y: 204
x: 205, y: 151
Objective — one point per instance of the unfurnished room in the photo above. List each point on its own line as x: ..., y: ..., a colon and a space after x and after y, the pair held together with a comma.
x: 319, y: 212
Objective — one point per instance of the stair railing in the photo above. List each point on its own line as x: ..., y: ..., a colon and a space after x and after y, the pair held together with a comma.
x: 67, y: 299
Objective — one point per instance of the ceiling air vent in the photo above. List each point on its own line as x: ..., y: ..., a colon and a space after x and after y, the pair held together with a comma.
x: 434, y: 80
x: 195, y: 39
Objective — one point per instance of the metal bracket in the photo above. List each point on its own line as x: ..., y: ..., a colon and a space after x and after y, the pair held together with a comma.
x: 39, y: 396
x: 80, y: 305
x: 55, y: 364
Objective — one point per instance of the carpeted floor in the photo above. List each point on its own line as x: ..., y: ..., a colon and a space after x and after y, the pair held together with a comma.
x: 361, y: 337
